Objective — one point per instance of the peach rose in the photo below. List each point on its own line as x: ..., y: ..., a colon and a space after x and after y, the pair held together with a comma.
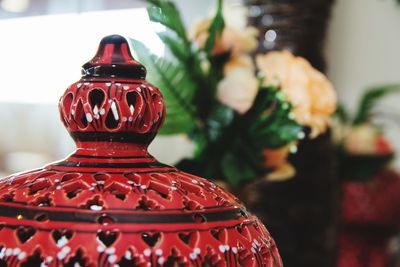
x: 365, y: 139
x: 310, y: 92
x: 239, y: 87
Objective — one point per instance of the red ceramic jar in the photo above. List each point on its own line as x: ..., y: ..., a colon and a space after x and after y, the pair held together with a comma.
x: 111, y: 203
x: 370, y: 218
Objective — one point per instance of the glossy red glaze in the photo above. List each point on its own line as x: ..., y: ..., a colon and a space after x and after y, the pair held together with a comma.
x: 110, y: 203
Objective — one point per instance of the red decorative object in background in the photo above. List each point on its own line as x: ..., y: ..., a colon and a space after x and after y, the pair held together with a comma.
x: 370, y: 218
x: 110, y: 203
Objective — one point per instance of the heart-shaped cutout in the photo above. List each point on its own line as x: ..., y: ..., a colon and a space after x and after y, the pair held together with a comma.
x: 185, y: 237
x: 239, y: 228
x: 24, y: 233
x: 9, y: 197
x: 61, y: 237
x: 244, y: 231
x: 36, y: 259
x: 151, y: 239
x: 107, y: 237
x: 215, y: 233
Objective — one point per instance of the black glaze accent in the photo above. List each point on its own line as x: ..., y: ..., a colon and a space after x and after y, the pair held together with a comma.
x: 23, y: 204
x: 122, y: 137
x: 120, y: 65
x: 43, y: 229
x: 134, y: 217
x: 114, y: 71
x: 171, y: 170
x: 95, y: 80
x: 139, y: 165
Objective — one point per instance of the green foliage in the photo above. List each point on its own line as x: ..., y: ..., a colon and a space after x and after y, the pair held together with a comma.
x: 267, y: 124
x: 237, y: 169
x: 270, y: 120
x: 220, y: 117
x: 228, y: 146
x: 243, y: 162
x: 215, y: 29
x: 205, y: 97
x: 233, y: 144
x: 369, y: 100
x: 208, y: 81
x: 166, y: 13
x: 176, y: 86
x: 176, y: 46
x: 342, y: 114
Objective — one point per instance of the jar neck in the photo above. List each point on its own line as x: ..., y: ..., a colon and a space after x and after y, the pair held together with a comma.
x: 112, y: 149
x: 110, y: 157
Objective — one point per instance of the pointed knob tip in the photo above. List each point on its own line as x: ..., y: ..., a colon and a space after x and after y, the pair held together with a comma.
x: 114, y: 60
x: 113, y: 39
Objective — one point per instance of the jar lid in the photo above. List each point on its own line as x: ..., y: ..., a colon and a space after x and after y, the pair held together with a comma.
x: 112, y: 102
x: 114, y: 59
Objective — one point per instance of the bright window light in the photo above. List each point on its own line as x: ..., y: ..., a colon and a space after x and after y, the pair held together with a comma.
x: 41, y: 56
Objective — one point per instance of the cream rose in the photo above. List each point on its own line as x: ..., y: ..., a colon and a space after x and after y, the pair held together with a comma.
x: 239, y: 62
x: 310, y: 92
x: 239, y: 87
x: 236, y: 36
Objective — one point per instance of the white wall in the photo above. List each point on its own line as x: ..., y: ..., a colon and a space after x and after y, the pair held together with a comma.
x: 363, y: 46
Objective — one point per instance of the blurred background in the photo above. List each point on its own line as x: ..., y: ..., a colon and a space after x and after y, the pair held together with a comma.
x: 45, y: 42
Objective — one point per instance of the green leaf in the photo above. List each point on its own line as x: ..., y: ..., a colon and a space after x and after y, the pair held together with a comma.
x: 219, y: 118
x: 342, y: 114
x: 269, y: 123
x: 276, y: 136
x: 264, y: 104
x: 216, y: 28
x: 370, y: 99
x: 176, y: 46
x: 166, y: 13
x: 236, y: 169
x: 176, y: 86
x: 200, y: 144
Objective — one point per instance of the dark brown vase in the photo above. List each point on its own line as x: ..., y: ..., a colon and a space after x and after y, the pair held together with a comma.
x: 299, y: 26
x: 302, y: 212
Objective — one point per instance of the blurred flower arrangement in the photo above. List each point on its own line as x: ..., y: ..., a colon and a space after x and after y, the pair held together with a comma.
x: 244, y: 117
x: 363, y: 148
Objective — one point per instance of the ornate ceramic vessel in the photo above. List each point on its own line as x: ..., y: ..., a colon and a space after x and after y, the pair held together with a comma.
x: 370, y: 219
x: 110, y: 203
